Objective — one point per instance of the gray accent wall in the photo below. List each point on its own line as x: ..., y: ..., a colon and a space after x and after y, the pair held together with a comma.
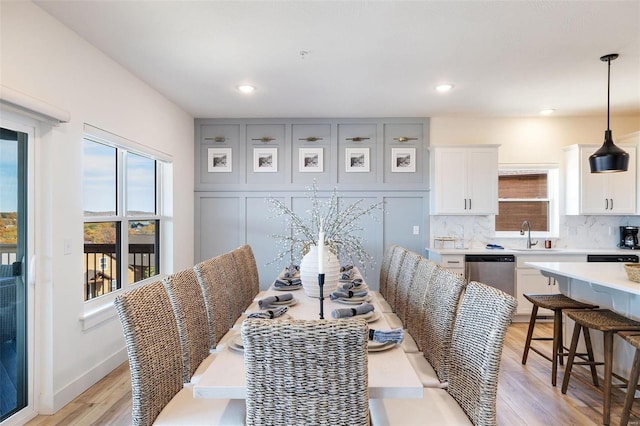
x: 363, y: 159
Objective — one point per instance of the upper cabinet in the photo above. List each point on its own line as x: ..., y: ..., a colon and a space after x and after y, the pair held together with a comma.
x: 464, y: 180
x: 598, y: 193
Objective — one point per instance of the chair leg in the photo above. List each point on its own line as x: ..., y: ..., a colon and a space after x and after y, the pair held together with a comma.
x: 557, y: 344
x: 631, y: 389
x: 572, y: 354
x: 590, y: 357
x: 560, y: 337
x: 608, y: 370
x: 532, y: 324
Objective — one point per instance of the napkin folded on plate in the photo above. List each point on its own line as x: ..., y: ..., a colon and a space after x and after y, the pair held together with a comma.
x: 287, y: 282
x: 347, y: 275
x: 268, y: 301
x: 291, y: 271
x: 365, y: 308
x: 271, y: 313
x: 346, y: 268
x: 383, y: 336
x: 348, y: 294
x: 353, y: 284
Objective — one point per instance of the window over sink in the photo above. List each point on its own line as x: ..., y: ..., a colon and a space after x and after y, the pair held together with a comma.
x: 527, y: 192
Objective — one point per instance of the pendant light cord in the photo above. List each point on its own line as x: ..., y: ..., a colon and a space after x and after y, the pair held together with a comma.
x: 608, y: 89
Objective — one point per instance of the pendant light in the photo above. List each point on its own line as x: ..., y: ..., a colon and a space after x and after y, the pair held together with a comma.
x: 609, y: 158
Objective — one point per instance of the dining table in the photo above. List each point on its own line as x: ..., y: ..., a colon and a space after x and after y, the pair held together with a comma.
x: 391, y: 375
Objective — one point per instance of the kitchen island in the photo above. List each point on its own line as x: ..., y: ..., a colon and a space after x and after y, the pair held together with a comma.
x: 603, y: 284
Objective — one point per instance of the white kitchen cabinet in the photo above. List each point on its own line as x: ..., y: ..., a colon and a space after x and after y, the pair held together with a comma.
x: 598, y: 193
x: 453, y: 262
x: 530, y: 280
x: 464, y: 180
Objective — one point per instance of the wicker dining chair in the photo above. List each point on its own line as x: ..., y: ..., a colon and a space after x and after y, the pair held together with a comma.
x: 233, y: 285
x: 476, y: 348
x: 306, y: 372
x: 394, y: 272
x: 405, y: 280
x: 190, y: 311
x: 216, y: 298
x: 248, y: 270
x: 384, y: 276
x: 155, y: 360
x: 417, y: 291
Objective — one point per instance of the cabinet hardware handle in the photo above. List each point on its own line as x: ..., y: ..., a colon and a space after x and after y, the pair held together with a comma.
x: 310, y: 139
x: 405, y: 139
x: 611, y: 203
x: 358, y: 139
x: 264, y: 139
x: 469, y: 203
x: 453, y: 261
x: 606, y: 204
x: 218, y: 139
x: 465, y: 203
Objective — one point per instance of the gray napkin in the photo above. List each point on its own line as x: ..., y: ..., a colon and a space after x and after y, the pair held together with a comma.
x: 291, y: 271
x: 288, y: 283
x: 271, y: 313
x: 347, y: 275
x: 353, y: 284
x: 351, y: 312
x: 338, y: 294
x: 267, y: 301
x: 383, y: 336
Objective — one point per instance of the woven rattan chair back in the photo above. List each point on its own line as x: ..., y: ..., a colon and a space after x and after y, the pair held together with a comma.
x: 416, y: 298
x: 384, y: 268
x: 440, y: 305
x: 216, y: 298
x: 153, y: 346
x: 233, y: 285
x: 190, y: 310
x: 478, y: 337
x: 397, y: 260
x: 248, y: 271
x: 405, y: 280
x: 306, y: 372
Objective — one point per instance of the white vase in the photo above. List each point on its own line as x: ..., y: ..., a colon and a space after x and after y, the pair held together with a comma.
x: 309, y: 272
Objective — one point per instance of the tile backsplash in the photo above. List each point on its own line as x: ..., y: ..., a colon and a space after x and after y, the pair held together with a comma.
x: 574, y: 231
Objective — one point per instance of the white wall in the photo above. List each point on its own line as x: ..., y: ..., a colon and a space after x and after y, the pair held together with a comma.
x: 535, y: 141
x: 44, y: 59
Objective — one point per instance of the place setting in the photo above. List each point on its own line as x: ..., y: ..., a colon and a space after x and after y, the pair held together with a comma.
x: 364, y: 310
x: 381, y: 340
x: 285, y: 299
x: 350, y: 297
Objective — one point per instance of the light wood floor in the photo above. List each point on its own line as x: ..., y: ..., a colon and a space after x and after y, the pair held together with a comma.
x: 525, y: 395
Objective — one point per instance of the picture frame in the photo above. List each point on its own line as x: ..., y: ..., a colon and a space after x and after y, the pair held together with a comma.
x: 357, y: 160
x: 403, y: 160
x: 265, y: 160
x: 219, y: 160
x: 311, y: 160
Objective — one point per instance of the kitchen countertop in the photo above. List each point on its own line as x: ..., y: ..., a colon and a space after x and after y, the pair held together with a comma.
x: 534, y: 251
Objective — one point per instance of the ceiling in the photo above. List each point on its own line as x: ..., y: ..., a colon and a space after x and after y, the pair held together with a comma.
x: 372, y: 58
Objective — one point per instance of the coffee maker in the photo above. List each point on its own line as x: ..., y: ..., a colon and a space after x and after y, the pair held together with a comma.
x: 629, y: 237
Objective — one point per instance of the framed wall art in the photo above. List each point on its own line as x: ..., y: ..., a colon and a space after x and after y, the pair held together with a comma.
x: 219, y: 160
x: 311, y: 160
x: 403, y: 160
x: 265, y: 160
x: 357, y: 160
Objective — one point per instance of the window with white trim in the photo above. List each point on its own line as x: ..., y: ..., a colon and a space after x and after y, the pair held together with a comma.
x: 122, y: 218
x: 527, y: 194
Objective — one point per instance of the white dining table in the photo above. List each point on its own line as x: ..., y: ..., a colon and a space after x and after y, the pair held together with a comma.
x: 390, y: 372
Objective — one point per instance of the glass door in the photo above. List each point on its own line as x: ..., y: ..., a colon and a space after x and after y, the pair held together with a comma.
x: 13, y: 258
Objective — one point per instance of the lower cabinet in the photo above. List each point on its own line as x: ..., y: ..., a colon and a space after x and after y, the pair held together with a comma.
x: 453, y: 262
x: 529, y: 280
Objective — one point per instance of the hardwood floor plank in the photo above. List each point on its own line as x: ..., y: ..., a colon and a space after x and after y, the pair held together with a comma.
x: 525, y: 394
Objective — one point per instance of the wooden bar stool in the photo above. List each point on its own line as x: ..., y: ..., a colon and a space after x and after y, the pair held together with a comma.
x: 609, y: 323
x: 634, y: 340
x: 555, y: 303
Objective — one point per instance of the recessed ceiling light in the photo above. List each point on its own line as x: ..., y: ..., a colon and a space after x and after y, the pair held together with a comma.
x: 246, y: 88
x: 442, y: 88
x: 547, y: 111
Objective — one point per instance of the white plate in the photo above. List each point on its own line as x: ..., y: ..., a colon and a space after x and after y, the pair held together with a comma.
x: 369, y: 316
x: 288, y: 288
x: 235, y: 343
x: 289, y: 302
x: 283, y: 316
x: 354, y: 300
x: 379, y: 347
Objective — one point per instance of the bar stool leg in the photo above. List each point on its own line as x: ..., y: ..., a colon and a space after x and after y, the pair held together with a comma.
x: 572, y: 354
x: 532, y: 323
x: 557, y: 344
x: 590, y: 357
x: 608, y: 370
x: 631, y: 389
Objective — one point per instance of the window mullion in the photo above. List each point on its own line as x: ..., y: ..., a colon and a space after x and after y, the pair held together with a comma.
x: 122, y: 217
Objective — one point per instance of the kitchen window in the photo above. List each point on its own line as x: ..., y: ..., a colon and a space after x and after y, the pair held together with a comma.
x: 122, y: 189
x: 527, y: 194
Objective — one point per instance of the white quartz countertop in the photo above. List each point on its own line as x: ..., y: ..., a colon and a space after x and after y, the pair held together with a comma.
x: 610, y: 275
x: 533, y: 251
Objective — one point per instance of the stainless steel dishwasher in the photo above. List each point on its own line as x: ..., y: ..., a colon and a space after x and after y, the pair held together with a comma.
x: 496, y: 270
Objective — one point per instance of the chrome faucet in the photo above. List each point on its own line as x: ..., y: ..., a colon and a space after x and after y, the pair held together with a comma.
x: 528, y: 225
